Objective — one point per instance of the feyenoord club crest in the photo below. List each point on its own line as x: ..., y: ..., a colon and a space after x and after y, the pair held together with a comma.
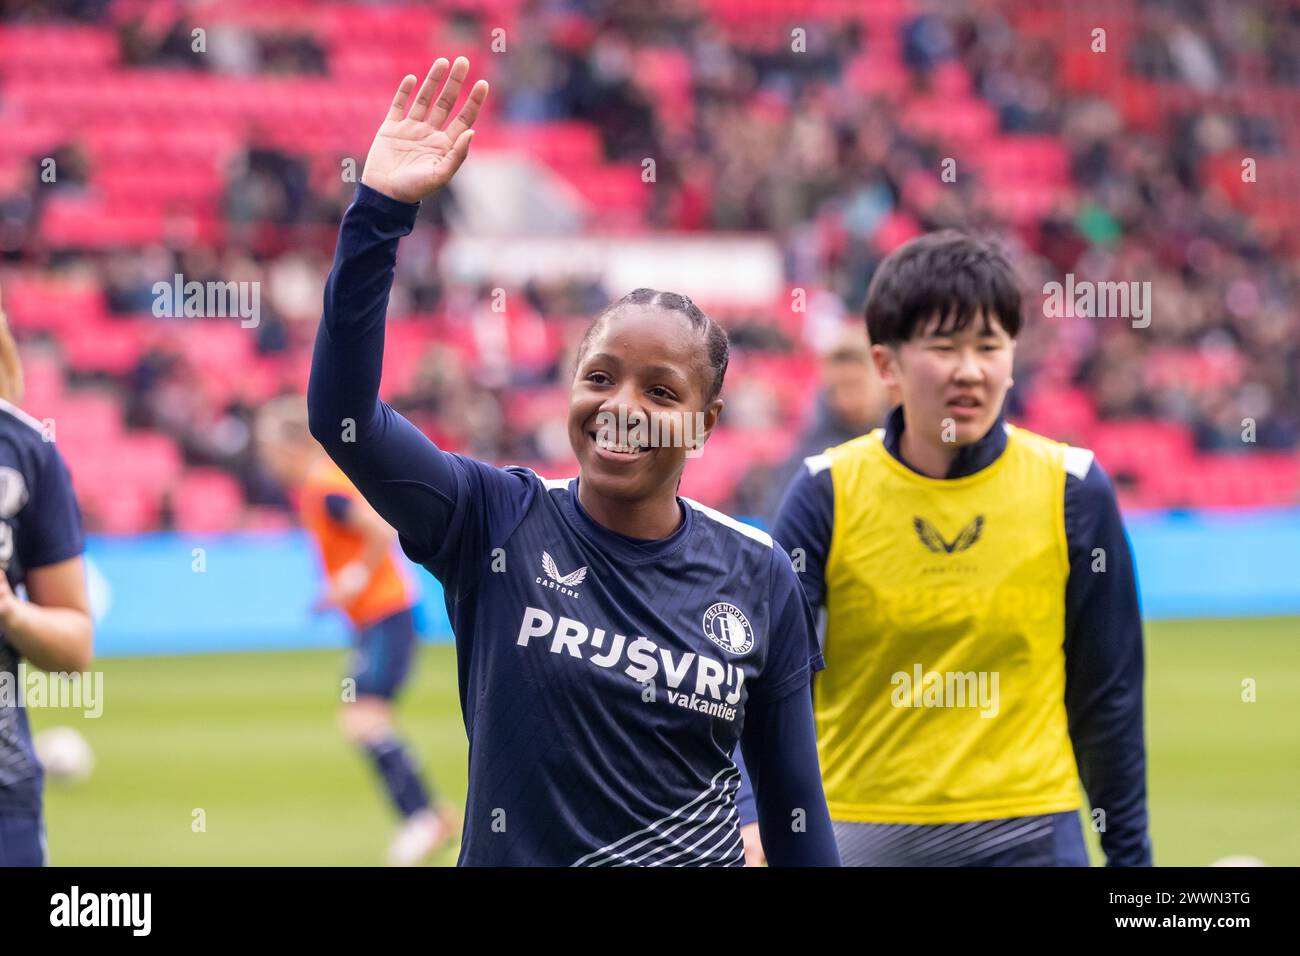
x: 726, y: 625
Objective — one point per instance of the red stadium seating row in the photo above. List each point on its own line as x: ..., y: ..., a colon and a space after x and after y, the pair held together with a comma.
x: 615, y: 193
x: 34, y: 49
x: 37, y: 302
x: 877, y: 72
x: 812, y: 11
x: 965, y: 121
x: 207, y: 500
x: 88, y: 221
x: 1226, y: 481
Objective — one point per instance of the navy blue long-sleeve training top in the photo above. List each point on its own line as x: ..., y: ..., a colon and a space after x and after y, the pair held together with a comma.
x: 40, y: 525
x: 604, y: 680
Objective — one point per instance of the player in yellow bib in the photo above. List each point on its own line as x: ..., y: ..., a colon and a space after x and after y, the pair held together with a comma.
x: 982, y: 634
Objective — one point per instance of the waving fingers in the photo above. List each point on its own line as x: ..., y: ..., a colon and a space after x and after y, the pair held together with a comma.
x: 450, y: 93
x: 430, y: 85
x: 469, y: 112
x: 398, y: 109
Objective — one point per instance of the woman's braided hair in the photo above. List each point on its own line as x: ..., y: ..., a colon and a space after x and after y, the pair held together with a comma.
x: 717, y: 349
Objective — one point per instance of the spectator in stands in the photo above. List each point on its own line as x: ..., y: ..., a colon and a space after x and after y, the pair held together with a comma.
x: 851, y: 403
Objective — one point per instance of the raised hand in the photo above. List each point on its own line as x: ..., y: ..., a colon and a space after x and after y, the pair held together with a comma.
x: 412, y: 155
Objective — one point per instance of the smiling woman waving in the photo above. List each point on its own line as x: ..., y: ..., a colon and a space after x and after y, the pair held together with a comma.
x: 614, y: 640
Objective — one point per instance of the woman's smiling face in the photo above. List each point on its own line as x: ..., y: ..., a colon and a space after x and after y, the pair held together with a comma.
x: 640, y: 401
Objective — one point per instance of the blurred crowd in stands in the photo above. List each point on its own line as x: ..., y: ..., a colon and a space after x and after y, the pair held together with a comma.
x: 811, y: 130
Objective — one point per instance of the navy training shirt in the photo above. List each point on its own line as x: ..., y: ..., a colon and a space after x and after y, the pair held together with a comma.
x: 604, y: 679
x: 40, y: 524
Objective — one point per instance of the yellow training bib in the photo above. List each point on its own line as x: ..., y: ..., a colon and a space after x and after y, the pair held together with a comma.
x: 943, y: 698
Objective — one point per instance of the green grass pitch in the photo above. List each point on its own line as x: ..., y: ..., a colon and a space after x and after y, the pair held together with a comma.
x: 251, y: 740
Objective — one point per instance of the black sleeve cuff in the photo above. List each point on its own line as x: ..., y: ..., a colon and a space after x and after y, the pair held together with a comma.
x: 402, y: 213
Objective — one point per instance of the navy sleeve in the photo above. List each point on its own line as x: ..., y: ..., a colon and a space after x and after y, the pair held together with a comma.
x: 746, y: 807
x: 51, y: 529
x: 1104, y: 667
x: 804, y: 523
x: 793, y: 653
x: 780, y: 747
x: 442, y: 505
x: 491, y: 502
x: 793, y: 657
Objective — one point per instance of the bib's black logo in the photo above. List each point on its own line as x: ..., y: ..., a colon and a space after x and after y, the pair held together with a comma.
x: 933, y: 540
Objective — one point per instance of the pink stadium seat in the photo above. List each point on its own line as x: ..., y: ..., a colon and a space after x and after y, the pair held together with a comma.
x: 141, y: 461
x: 770, y: 446
x: 30, y: 136
x: 120, y: 482
x: 90, y: 222
x: 615, y: 194
x: 125, y: 510
x: 1022, y: 161
x: 792, y: 378
x: 951, y: 79
x: 554, y: 143
x: 1199, y: 369
x: 263, y: 518
x: 42, y: 381
x: 255, y: 381
x: 1066, y: 414
x: 207, y: 500
x: 36, y: 49
x: 144, y: 459
x: 530, y: 408
x: 96, y: 416
x: 955, y: 118
x: 1141, y: 447
x: 34, y: 303
x: 1230, y: 481
x: 668, y: 73
x: 210, y: 343
x: 109, y: 346
x: 710, y: 487
x: 875, y: 73
x: 895, y: 229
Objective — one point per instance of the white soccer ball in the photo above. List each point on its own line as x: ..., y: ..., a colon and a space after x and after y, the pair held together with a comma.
x: 1239, y: 861
x: 64, y: 754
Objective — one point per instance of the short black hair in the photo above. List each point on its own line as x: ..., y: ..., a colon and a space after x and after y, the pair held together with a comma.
x: 951, y: 274
x: 717, y: 347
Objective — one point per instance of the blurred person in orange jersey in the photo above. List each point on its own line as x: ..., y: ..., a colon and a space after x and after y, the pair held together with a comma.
x: 366, y: 581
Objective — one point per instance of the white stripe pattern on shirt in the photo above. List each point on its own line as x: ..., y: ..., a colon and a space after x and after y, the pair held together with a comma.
x: 710, y: 815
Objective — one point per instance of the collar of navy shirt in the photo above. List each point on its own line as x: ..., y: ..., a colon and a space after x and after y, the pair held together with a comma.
x: 970, y: 458
x: 628, y: 549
